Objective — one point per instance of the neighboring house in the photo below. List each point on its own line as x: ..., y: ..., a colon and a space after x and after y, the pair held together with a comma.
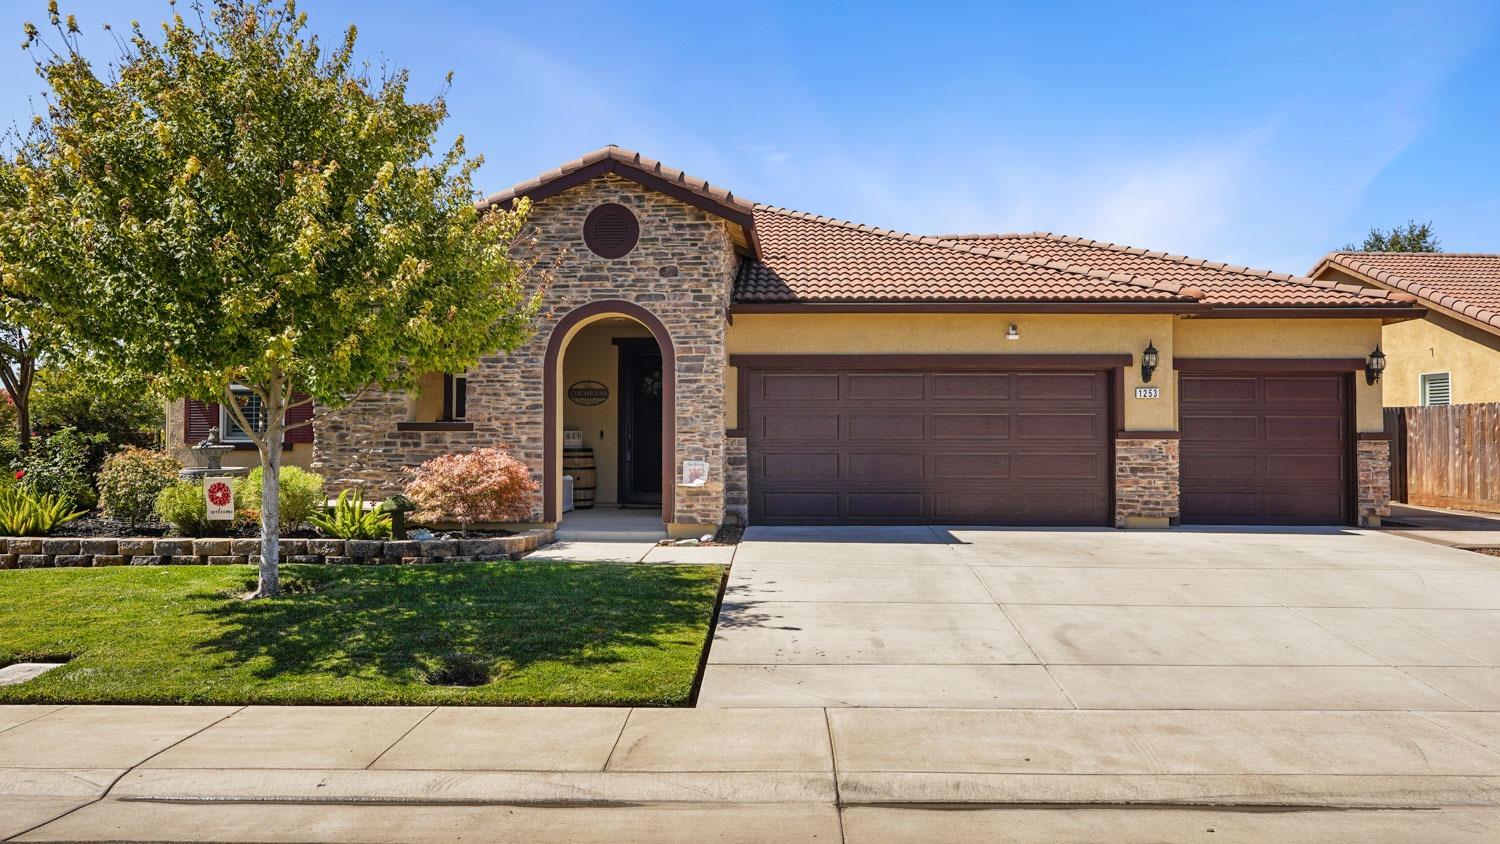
x: 1452, y: 355
x: 831, y: 373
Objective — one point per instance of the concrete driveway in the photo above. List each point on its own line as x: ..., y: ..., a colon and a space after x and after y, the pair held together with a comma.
x: 1205, y: 619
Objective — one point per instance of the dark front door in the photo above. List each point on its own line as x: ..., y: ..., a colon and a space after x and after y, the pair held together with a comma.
x: 1264, y: 448
x: 640, y: 422
x: 841, y: 444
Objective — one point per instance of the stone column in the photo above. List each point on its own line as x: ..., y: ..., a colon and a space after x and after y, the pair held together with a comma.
x: 1374, y: 467
x: 1147, y: 490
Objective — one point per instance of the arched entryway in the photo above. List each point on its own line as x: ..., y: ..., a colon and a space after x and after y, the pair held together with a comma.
x: 641, y: 334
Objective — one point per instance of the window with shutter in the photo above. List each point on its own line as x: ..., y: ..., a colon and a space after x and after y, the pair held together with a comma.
x: 455, y: 397
x: 250, y: 405
x: 1437, y: 389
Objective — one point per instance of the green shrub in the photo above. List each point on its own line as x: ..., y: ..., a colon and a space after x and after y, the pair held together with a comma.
x: 60, y: 465
x: 182, y: 506
x: 131, y: 480
x: 350, y: 519
x: 27, y: 513
x: 301, y: 496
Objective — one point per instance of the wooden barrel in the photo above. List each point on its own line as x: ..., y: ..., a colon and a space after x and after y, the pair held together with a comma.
x: 579, y: 462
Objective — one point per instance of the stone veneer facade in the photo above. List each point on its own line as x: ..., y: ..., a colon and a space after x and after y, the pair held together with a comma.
x: 1147, y: 491
x: 681, y: 270
x: 1374, y: 468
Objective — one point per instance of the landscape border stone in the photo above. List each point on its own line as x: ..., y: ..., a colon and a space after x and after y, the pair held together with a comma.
x: 65, y: 551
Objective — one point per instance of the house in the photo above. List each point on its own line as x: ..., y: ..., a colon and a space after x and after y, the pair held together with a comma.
x: 1451, y: 355
x: 730, y: 360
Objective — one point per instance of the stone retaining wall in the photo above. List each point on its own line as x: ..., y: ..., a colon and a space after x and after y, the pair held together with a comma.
x: 58, y: 551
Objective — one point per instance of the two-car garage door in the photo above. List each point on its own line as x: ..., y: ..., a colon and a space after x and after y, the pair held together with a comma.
x: 834, y: 443
x: 854, y: 441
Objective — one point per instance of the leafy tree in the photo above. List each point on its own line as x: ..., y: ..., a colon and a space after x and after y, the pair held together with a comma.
x: 1412, y: 237
x: 234, y: 205
x: 18, y: 366
x: 79, y: 394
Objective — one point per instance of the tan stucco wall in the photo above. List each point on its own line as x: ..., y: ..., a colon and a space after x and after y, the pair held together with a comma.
x: 1066, y: 334
x: 426, y: 401
x: 1435, y: 343
x: 1290, y: 338
x: 1441, y: 343
x: 592, y: 355
x: 967, y: 334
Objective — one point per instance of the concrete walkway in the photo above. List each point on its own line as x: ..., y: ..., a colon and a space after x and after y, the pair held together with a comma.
x: 139, y: 773
x: 1458, y: 528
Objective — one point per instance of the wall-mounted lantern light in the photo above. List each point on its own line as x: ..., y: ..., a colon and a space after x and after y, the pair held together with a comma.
x: 1374, y: 365
x: 1013, y: 333
x: 1149, y: 359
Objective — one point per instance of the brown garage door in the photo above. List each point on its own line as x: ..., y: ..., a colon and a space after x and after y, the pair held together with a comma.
x: 841, y: 445
x: 1264, y: 448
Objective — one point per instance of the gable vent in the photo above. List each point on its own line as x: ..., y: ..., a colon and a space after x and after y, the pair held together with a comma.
x: 611, y: 231
x: 1437, y: 388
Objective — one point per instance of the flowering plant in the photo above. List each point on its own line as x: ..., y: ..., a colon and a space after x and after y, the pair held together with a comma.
x: 484, y: 485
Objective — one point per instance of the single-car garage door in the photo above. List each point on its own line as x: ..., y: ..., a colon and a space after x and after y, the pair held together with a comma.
x: 834, y: 443
x: 1264, y: 448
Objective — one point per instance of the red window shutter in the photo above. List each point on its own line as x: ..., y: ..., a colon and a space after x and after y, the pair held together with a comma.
x: 297, y: 414
x: 198, y: 417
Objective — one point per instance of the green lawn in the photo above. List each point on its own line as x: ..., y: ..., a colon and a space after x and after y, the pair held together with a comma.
x: 547, y: 633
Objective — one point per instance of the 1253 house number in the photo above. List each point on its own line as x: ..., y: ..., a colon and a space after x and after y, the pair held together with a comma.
x: 1148, y: 392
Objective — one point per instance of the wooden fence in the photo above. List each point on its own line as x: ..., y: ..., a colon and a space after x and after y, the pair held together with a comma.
x: 1446, y: 456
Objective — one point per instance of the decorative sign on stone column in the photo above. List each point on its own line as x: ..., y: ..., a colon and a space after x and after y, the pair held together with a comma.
x: 694, y: 472
x: 219, y: 494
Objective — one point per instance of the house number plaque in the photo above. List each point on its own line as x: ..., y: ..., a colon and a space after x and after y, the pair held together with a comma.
x: 1148, y: 392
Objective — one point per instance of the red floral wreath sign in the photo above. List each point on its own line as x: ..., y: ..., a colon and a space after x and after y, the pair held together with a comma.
x: 218, y: 493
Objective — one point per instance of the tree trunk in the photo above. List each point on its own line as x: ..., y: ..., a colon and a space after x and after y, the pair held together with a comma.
x: 273, y: 397
x: 270, y: 521
x: 23, y: 420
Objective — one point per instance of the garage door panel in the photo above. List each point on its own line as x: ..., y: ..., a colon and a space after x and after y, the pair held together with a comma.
x: 799, y: 427
x: 1293, y: 468
x: 1059, y: 426
x: 970, y: 386
x: 777, y: 465
x: 1321, y: 429
x: 1218, y: 466
x: 1218, y: 428
x: 1055, y: 507
x: 1059, y: 466
x: 782, y: 386
x: 974, y: 505
x: 1219, y: 390
x: 1043, y: 386
x: 1001, y: 447
x: 977, y: 466
x: 1266, y: 448
x: 882, y: 506
x: 823, y: 506
x: 887, y: 387
x: 906, y: 426
x: 1327, y: 391
x: 970, y: 426
x: 888, y: 467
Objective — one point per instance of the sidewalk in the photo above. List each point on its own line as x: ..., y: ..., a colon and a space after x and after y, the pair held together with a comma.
x: 1454, y: 528
x: 89, y: 773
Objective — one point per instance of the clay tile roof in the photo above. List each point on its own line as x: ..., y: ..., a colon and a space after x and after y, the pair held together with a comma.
x: 809, y: 258
x: 1466, y: 284
x: 630, y: 159
x: 1223, y: 285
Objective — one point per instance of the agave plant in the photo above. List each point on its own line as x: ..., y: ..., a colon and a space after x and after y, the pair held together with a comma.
x: 350, y: 519
x: 23, y: 513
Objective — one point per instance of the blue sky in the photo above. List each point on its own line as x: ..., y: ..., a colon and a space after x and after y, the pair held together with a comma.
x: 1262, y: 133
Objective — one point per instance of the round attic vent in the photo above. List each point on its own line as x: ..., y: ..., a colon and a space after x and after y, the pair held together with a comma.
x: 611, y: 231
